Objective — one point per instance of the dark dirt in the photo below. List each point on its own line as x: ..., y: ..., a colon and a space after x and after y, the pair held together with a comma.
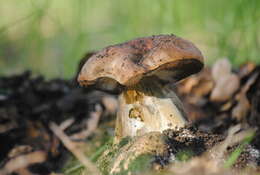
x: 29, y: 103
x: 191, y: 139
x: 194, y: 142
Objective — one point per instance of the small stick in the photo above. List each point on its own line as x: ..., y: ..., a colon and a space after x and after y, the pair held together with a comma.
x: 72, y: 147
x: 23, y: 161
x: 67, y: 123
x: 91, y: 125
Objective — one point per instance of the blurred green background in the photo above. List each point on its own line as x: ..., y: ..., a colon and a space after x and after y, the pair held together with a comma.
x: 50, y: 36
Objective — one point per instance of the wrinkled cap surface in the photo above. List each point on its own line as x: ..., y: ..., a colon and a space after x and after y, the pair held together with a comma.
x: 167, y: 57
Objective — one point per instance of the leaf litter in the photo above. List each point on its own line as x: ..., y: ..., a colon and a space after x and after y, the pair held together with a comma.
x: 223, y: 137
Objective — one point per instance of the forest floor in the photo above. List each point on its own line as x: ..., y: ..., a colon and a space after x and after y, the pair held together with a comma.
x: 44, y: 122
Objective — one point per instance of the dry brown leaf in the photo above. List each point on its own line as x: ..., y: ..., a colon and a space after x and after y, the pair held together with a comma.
x: 205, y: 83
x: 194, y: 112
x: 246, y: 69
x: 198, y: 85
x: 24, y: 171
x: 225, y: 87
x: 110, y: 104
x: 243, y: 106
x: 221, y: 68
x: 241, y: 109
x: 226, y: 106
x: 186, y: 85
x: 203, y: 88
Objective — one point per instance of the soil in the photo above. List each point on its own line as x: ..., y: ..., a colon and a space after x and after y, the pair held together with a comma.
x: 190, y: 138
x: 28, y: 103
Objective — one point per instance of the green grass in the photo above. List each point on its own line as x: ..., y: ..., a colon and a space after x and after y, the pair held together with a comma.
x: 75, y: 167
x: 237, y: 152
x: 140, y: 165
x: 50, y: 37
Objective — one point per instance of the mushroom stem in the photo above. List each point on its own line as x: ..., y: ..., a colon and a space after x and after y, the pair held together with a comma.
x: 146, y: 107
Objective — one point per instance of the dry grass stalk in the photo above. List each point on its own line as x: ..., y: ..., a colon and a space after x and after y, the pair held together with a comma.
x: 72, y: 147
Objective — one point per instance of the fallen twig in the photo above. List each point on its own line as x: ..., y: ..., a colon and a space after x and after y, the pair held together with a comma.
x: 23, y: 161
x: 91, y: 124
x: 72, y: 147
x: 67, y: 123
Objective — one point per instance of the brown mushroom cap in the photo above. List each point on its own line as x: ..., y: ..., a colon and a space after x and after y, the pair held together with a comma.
x: 163, y: 56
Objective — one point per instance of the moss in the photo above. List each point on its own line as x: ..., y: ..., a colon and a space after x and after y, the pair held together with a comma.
x: 93, y: 150
x: 139, y: 165
x: 106, y: 159
x: 73, y: 167
x: 129, y: 155
x: 132, y: 155
x: 184, y: 155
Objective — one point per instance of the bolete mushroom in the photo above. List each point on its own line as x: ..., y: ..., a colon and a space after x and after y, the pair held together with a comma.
x: 139, y: 69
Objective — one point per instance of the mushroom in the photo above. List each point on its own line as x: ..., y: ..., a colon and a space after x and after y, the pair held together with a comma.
x: 139, y: 70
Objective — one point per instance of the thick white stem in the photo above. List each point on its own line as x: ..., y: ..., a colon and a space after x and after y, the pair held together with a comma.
x: 148, y: 107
